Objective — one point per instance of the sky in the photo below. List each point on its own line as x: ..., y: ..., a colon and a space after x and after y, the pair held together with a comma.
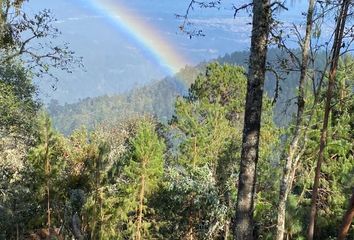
x: 119, y: 56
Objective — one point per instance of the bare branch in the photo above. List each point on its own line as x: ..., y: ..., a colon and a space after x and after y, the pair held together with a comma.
x: 24, y: 31
x: 184, y: 27
x: 245, y: 6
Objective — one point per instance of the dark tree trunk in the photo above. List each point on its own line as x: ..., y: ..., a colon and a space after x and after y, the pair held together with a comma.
x: 337, y: 43
x: 347, y: 219
x: 76, y: 227
x: 252, y: 120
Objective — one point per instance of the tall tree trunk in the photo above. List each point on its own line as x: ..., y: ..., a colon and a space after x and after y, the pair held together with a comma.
x: 337, y: 43
x: 226, y: 230
x: 47, y: 173
x: 347, y: 219
x: 190, y: 232
x: 290, y: 166
x: 48, y: 207
x: 76, y: 227
x: 252, y: 120
x: 141, y: 204
x: 17, y: 232
x: 98, y: 199
x: 97, y: 208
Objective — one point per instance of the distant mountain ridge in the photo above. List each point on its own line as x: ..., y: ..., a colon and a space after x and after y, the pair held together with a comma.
x: 156, y: 98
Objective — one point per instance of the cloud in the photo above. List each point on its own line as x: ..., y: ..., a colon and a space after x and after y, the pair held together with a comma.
x: 132, y: 48
x: 81, y: 18
x: 201, y: 50
x: 210, y: 50
x: 237, y: 25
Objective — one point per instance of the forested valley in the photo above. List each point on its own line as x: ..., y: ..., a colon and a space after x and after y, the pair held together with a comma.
x: 256, y: 144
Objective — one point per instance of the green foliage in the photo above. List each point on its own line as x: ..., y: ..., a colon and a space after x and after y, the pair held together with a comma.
x: 142, y: 175
x: 48, y: 148
x: 337, y: 173
x: 46, y: 160
x: 189, y: 204
x: 121, y: 181
x: 222, y: 84
x: 18, y: 106
x: 113, y: 183
x: 18, y: 113
x: 17, y: 206
x: 206, y: 133
x: 23, y: 178
x: 158, y: 98
x: 146, y: 157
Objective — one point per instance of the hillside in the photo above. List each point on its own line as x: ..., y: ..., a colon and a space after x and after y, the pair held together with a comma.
x: 156, y: 98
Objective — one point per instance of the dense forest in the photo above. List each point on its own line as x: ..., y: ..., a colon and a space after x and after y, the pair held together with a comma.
x: 158, y: 98
x: 253, y: 145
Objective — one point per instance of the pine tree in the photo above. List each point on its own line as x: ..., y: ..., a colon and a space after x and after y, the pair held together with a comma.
x: 205, y: 145
x: 142, y: 176
x: 335, y: 55
x: 47, y: 160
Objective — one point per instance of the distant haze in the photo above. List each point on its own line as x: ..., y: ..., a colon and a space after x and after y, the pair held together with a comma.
x: 115, y: 64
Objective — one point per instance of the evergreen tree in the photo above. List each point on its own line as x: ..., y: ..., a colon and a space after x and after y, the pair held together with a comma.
x: 48, y: 165
x: 142, y: 176
x: 203, y: 145
x: 338, y: 169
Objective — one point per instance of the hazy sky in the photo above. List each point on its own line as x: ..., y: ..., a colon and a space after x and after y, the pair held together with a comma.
x: 116, y: 62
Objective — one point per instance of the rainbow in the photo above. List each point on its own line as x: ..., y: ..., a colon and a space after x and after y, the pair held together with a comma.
x: 146, y: 35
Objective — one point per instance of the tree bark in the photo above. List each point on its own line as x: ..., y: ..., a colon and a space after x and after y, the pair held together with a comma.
x: 48, y: 207
x: 76, y: 227
x: 347, y: 219
x: 47, y: 173
x: 190, y: 232
x: 226, y: 230
x: 141, y: 205
x: 337, y: 43
x: 97, y: 209
x: 249, y: 156
x: 290, y: 165
x: 17, y: 232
